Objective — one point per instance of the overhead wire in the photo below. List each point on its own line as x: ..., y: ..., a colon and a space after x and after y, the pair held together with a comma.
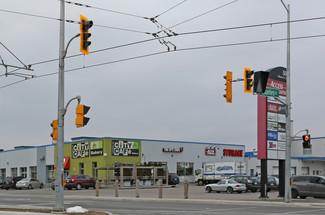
x: 164, y: 52
x: 183, y: 34
x: 72, y: 21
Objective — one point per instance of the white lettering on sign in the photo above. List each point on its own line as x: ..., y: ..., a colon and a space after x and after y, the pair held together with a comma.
x: 125, y: 148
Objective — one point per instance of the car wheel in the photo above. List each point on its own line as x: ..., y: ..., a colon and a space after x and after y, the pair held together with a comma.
x: 253, y: 191
x: 200, y: 183
x: 209, y: 189
x: 86, y: 188
x: 294, y: 194
x: 239, y: 191
x: 303, y: 197
x: 7, y: 188
x: 30, y: 186
x: 78, y: 186
x: 229, y: 190
x: 69, y: 188
x: 41, y: 186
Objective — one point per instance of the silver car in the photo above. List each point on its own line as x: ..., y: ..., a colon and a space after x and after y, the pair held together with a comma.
x: 226, y: 185
x: 29, y: 183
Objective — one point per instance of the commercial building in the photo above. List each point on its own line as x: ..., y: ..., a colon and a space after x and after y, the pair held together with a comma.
x: 84, y: 156
x: 87, y: 155
x: 303, y: 161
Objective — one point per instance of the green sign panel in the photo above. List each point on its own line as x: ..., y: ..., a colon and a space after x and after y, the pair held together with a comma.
x: 271, y: 92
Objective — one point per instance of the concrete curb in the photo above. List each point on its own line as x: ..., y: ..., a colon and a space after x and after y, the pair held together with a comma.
x: 204, y: 201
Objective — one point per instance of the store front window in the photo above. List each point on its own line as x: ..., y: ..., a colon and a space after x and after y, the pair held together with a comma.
x: 23, y: 171
x: 14, y: 172
x: 3, y: 173
x: 184, y: 168
x: 81, y: 168
x: 50, y: 173
x: 33, y: 172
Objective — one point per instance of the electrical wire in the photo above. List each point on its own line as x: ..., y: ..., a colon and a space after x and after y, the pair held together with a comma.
x: 164, y: 52
x: 183, y: 34
x: 170, y: 8
x: 72, y: 21
x: 195, y: 17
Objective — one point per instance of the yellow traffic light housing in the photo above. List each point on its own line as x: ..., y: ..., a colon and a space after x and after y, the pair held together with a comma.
x: 81, y: 120
x: 85, y: 24
x: 248, y: 80
x: 54, y: 133
x: 228, y: 84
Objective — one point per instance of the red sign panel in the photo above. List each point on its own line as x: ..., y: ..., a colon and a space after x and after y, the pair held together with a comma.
x: 210, y: 152
x: 233, y: 153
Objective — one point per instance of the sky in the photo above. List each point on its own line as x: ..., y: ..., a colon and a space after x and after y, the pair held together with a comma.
x: 136, y: 88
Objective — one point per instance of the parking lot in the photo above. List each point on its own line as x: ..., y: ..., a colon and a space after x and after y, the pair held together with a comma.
x: 194, y: 192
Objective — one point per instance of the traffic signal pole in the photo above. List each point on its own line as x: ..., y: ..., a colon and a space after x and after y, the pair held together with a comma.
x: 59, y: 195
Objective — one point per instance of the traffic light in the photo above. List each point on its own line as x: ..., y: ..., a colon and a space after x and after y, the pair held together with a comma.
x: 248, y: 81
x: 81, y: 120
x: 85, y: 24
x: 306, y: 141
x: 54, y: 133
x: 228, y: 84
x: 260, y: 81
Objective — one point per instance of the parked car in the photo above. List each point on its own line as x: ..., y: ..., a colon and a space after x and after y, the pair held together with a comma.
x: 10, y: 182
x: 173, y: 179
x: 308, y: 186
x: 227, y: 185
x: 80, y: 181
x: 252, y: 182
x: 1, y: 182
x: 29, y: 183
x: 272, y: 183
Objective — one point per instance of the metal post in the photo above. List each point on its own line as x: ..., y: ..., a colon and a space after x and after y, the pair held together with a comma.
x: 288, y: 119
x: 59, y: 200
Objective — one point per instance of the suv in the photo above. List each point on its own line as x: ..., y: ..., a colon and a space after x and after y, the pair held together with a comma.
x: 10, y: 182
x: 79, y: 181
x: 252, y: 182
x: 307, y: 185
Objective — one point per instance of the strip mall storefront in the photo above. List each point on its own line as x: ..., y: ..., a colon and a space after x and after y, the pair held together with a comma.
x: 180, y: 157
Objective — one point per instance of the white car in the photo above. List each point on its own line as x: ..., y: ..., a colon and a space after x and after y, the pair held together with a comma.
x: 29, y: 183
x: 226, y: 185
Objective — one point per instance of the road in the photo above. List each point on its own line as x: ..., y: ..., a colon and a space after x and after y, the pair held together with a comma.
x: 173, y: 202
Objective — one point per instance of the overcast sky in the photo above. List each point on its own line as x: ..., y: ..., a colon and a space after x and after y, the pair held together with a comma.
x: 176, y: 95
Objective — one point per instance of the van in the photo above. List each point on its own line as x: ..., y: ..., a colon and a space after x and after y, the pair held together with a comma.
x: 308, y: 186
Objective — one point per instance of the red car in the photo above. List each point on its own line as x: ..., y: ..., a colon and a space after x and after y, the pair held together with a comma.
x: 80, y: 181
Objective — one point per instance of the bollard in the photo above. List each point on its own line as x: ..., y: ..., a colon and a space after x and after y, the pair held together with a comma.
x: 185, y: 189
x: 97, y: 188
x: 137, y: 189
x: 160, y: 189
x: 116, y: 188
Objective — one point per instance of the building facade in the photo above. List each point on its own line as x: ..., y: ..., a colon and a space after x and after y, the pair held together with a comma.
x: 303, y: 161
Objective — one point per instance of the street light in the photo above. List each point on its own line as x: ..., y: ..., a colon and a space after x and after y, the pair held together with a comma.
x: 287, y: 191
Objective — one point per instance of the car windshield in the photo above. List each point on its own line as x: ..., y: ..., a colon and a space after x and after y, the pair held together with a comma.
x: 230, y: 181
x: 70, y: 177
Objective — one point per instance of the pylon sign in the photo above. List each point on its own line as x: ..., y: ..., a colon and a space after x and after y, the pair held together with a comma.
x: 271, y: 117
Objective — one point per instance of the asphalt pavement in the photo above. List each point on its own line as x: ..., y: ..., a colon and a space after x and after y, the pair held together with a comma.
x: 196, y: 194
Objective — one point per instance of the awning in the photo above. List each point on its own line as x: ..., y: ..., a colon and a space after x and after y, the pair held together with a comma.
x: 66, y: 164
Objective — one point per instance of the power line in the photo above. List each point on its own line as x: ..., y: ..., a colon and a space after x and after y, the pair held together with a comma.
x: 72, y: 21
x: 170, y: 8
x: 103, y: 9
x: 183, y: 34
x: 178, y: 50
x: 195, y: 17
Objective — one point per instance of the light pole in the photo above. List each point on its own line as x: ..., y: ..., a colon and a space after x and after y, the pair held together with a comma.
x: 287, y: 191
x: 59, y: 195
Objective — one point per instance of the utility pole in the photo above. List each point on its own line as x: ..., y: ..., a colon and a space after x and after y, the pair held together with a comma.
x: 287, y: 193
x: 59, y: 195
